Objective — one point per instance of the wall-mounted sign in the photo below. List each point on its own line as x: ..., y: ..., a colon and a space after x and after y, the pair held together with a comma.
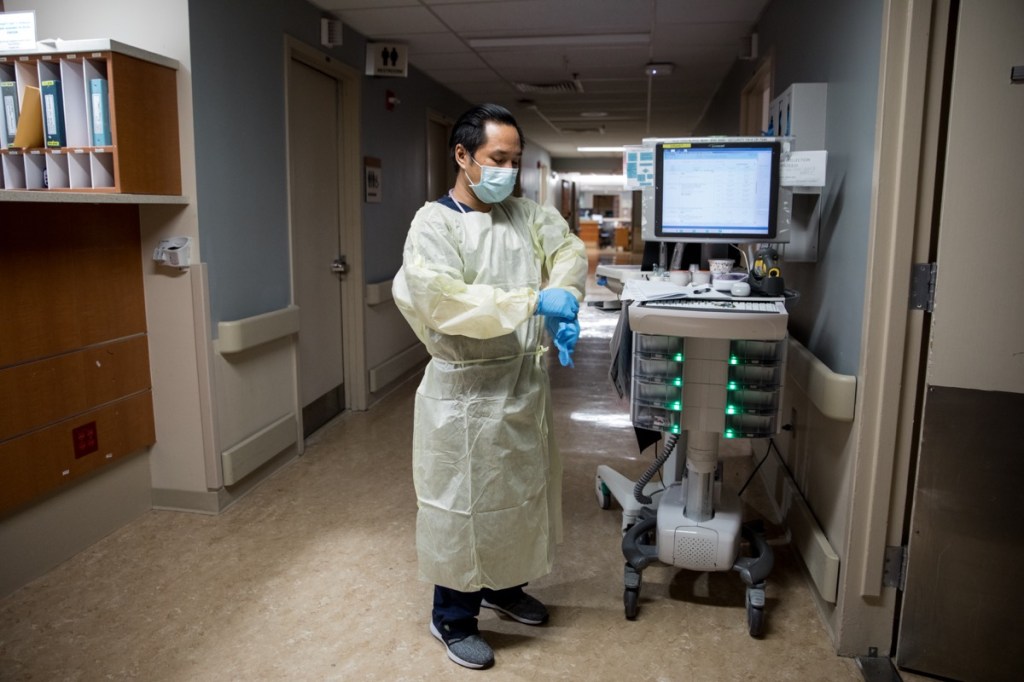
x: 387, y: 59
x: 373, y: 179
x: 637, y: 166
x: 17, y: 31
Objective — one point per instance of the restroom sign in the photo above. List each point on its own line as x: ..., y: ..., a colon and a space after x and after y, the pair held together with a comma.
x: 387, y: 59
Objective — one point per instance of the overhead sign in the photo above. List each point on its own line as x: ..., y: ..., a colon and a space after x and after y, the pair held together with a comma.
x: 387, y: 59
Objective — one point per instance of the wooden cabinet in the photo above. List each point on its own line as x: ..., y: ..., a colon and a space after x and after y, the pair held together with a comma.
x: 588, y: 232
x: 74, y: 360
x: 139, y: 92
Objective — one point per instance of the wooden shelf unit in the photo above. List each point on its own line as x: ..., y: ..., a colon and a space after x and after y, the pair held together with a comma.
x: 144, y: 155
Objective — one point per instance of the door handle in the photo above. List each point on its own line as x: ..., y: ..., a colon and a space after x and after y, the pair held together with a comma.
x: 339, y: 266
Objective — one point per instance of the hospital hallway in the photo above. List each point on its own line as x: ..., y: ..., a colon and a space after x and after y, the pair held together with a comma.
x: 312, y: 575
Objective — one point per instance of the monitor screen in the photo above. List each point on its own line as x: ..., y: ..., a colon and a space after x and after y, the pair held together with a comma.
x: 711, y: 191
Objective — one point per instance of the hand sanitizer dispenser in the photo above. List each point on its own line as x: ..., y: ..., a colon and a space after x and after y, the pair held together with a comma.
x: 175, y: 252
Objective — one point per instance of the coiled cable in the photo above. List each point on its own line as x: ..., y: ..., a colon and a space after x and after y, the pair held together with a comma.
x: 666, y: 452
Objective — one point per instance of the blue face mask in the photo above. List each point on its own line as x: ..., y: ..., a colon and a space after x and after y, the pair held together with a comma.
x: 496, y: 183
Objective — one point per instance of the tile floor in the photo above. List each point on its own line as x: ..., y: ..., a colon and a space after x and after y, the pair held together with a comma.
x: 312, y: 576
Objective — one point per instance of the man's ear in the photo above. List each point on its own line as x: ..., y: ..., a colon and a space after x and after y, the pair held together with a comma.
x: 460, y: 156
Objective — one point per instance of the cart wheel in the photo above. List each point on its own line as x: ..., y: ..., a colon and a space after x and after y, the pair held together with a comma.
x: 631, y: 598
x: 604, y: 495
x: 755, y: 612
x: 755, y: 621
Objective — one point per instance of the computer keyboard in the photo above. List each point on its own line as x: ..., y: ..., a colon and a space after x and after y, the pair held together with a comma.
x: 718, y: 306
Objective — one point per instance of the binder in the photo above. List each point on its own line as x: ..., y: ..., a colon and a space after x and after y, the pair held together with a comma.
x: 30, y: 122
x: 9, y: 103
x: 100, y: 102
x: 53, y: 113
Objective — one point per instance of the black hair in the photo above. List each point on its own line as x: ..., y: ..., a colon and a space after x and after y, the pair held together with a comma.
x: 469, y: 129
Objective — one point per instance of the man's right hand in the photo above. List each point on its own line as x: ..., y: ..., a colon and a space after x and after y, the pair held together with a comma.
x: 557, y: 303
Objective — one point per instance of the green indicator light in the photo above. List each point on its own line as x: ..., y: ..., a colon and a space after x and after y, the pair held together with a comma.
x: 733, y: 385
x: 676, y: 405
x: 731, y: 409
x: 677, y: 381
x: 733, y: 360
x: 729, y: 433
x: 679, y: 357
x: 675, y: 428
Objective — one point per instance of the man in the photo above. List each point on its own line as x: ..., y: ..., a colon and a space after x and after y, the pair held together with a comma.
x: 483, y: 275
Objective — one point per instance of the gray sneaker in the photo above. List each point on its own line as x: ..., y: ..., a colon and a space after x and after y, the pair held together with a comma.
x: 522, y: 607
x: 470, y: 651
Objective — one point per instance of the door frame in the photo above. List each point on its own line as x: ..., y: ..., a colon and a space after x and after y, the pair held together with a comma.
x: 753, y: 104
x: 890, y: 370
x: 431, y: 193
x: 353, y: 312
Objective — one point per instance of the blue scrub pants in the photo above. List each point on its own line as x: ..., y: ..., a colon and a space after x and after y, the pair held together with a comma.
x: 459, y: 610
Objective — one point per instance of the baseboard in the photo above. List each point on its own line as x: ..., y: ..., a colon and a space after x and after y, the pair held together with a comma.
x: 195, y: 501
x: 397, y: 366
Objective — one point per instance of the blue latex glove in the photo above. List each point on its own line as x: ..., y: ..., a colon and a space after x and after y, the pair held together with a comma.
x: 565, y: 341
x: 551, y: 325
x: 557, y: 303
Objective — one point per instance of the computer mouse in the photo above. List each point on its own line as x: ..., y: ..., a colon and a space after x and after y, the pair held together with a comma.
x: 740, y: 289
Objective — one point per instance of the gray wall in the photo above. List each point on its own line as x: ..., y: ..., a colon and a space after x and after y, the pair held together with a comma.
x: 239, y: 108
x: 839, y: 44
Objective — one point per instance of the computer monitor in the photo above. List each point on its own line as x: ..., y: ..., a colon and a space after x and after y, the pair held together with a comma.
x: 716, y: 191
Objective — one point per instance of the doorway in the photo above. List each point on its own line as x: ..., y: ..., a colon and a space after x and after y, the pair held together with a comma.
x: 440, y: 174
x: 325, y: 232
x: 961, y: 605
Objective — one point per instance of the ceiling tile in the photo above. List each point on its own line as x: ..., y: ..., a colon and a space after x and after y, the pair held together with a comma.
x: 702, y: 11
x: 385, y: 23
x: 701, y: 38
x: 546, y: 17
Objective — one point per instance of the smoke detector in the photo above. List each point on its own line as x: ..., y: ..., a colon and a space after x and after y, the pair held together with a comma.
x: 658, y: 68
